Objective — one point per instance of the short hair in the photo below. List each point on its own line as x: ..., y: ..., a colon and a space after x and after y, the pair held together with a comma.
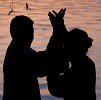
x: 81, y: 37
x: 19, y: 24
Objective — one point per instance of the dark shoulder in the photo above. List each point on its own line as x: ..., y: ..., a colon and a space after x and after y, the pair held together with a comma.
x: 29, y: 51
x: 90, y: 62
x: 90, y: 65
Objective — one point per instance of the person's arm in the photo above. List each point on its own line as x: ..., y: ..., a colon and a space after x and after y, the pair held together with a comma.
x: 41, y: 63
x: 49, y: 60
x: 59, y: 29
x: 55, y: 47
x: 55, y: 85
x: 52, y: 59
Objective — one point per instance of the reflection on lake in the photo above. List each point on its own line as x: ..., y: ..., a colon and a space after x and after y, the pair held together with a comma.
x: 84, y: 14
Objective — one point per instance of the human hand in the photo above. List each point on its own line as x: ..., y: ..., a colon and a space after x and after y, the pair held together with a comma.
x: 56, y: 19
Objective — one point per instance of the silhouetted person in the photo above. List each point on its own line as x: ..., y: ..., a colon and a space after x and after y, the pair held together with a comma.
x: 79, y: 81
x: 22, y: 65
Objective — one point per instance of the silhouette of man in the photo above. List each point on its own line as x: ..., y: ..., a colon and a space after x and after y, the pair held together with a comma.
x: 79, y: 81
x: 22, y: 65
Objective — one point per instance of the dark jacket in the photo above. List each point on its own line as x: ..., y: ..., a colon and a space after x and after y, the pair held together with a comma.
x: 21, y: 68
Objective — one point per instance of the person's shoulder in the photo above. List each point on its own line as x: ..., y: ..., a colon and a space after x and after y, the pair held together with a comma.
x: 91, y: 65
x: 29, y: 51
x: 90, y: 61
x: 32, y: 50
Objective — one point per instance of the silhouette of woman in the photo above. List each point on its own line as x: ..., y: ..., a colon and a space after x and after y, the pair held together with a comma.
x: 79, y: 80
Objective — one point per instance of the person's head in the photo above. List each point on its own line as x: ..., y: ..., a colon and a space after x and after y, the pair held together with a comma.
x: 21, y: 29
x: 79, y: 42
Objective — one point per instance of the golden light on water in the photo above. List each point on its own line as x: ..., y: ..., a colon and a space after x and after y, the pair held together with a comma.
x: 84, y: 14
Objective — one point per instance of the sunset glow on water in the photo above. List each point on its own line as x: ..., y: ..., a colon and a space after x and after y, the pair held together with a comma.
x: 84, y: 14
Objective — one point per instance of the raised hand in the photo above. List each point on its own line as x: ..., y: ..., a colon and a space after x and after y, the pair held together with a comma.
x: 56, y: 19
x: 60, y: 14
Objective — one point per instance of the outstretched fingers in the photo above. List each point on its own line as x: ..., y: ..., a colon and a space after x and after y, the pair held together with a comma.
x: 61, y: 13
x: 55, y: 12
x: 51, y: 15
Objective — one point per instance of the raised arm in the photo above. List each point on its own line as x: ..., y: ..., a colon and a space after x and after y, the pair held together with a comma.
x: 57, y: 22
x: 55, y: 47
x: 52, y: 59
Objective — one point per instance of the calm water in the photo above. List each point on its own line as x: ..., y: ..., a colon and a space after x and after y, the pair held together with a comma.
x: 84, y: 14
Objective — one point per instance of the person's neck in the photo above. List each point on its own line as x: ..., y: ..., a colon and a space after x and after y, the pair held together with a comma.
x: 77, y: 59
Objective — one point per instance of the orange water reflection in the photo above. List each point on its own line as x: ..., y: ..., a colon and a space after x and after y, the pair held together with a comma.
x: 84, y: 14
